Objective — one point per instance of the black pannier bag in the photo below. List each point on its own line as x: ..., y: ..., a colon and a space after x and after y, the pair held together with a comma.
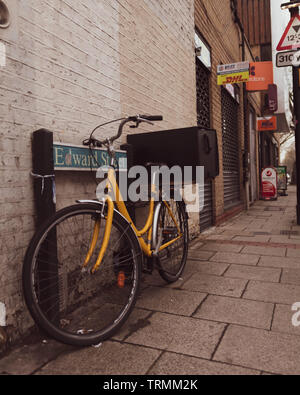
x: 192, y: 146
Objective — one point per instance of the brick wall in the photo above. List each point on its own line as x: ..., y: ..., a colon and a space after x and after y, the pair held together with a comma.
x: 70, y: 66
x: 215, y: 22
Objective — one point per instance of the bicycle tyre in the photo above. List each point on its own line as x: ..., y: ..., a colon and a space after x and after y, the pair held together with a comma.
x: 110, y: 302
x: 172, y: 260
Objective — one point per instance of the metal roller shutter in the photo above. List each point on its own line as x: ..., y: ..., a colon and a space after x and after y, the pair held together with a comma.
x: 231, y: 166
x: 203, y: 119
x: 206, y: 216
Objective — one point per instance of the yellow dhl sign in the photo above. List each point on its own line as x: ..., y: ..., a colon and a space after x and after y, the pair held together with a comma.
x: 234, y: 78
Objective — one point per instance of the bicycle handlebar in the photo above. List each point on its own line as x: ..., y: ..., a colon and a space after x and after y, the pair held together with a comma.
x: 152, y: 117
x: 137, y: 119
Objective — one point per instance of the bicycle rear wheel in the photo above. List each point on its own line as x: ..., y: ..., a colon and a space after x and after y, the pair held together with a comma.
x: 65, y: 299
x: 172, y: 222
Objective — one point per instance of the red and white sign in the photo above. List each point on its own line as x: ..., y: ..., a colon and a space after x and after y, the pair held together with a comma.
x: 269, y: 184
x: 267, y: 124
x: 291, y: 36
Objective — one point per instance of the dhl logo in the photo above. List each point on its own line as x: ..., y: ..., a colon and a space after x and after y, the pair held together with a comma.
x: 236, y: 78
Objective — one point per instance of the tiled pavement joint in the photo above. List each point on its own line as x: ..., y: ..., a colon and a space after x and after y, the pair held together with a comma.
x: 245, y: 289
x: 273, y: 315
x: 219, y: 342
x: 141, y: 323
x: 281, y: 273
x: 155, y: 362
x: 199, y: 307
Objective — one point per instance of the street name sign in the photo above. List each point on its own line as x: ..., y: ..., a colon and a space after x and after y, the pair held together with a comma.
x: 291, y: 36
x: 75, y: 157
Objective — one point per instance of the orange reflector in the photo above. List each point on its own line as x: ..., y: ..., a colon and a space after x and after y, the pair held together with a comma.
x: 121, y: 279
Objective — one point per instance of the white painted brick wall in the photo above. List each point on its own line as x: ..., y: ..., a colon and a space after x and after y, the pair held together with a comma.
x: 70, y: 66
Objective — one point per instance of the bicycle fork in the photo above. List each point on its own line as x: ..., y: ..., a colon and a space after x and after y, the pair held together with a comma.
x: 96, y: 231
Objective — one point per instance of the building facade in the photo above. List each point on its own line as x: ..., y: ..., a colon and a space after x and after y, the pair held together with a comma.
x: 232, y: 110
x: 261, y: 33
x: 70, y: 66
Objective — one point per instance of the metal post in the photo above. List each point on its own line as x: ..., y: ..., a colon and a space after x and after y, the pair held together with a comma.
x: 297, y: 134
x: 43, y: 168
x: 296, y: 92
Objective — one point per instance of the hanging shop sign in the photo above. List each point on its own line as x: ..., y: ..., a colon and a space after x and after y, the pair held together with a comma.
x: 234, y: 73
x: 272, y: 98
x: 76, y: 157
x: 261, y: 76
x: 269, y: 184
x: 267, y: 124
x: 282, y: 178
x: 291, y: 36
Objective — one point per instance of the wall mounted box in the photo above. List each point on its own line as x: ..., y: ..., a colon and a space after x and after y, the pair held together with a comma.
x: 192, y: 146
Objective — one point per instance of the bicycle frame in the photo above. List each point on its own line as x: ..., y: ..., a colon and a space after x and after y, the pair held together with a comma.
x: 112, y: 187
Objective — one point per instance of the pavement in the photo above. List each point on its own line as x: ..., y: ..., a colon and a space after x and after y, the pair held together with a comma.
x: 229, y: 314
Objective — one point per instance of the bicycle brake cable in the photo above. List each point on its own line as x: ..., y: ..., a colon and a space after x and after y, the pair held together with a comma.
x: 91, y: 136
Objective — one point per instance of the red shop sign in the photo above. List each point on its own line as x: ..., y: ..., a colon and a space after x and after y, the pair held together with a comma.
x: 269, y: 184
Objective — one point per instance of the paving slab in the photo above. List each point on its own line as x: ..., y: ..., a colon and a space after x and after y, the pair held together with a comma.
x: 295, y: 238
x: 156, y: 280
x: 215, y: 285
x: 219, y: 237
x: 253, y: 239
x: 268, y: 251
x: 111, y: 358
x: 176, y: 364
x: 200, y: 254
x: 28, y: 358
x: 293, y: 253
x: 216, y: 268
x: 281, y: 262
x: 188, y: 336
x: 283, y: 239
x: 236, y: 227
x: 236, y: 311
x: 253, y: 273
x: 291, y: 276
x: 233, y: 233
x: 221, y: 247
x: 137, y: 319
x: 259, y: 349
x: 259, y: 214
x: 271, y: 292
x: 240, y: 259
x: 282, y: 321
x: 195, y: 245
x: 170, y: 300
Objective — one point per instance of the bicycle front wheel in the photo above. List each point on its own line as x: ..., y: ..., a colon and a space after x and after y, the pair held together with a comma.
x: 64, y: 298
x: 172, y: 225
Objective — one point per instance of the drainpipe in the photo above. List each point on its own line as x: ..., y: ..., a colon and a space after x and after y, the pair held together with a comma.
x: 246, y: 157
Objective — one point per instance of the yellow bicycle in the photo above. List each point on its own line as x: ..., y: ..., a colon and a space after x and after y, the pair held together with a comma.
x: 83, y: 267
